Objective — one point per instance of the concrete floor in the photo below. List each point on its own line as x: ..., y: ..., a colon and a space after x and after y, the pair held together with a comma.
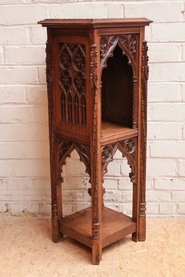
x: 26, y: 250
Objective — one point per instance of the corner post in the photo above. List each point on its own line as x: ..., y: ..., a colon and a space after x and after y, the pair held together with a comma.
x: 96, y: 178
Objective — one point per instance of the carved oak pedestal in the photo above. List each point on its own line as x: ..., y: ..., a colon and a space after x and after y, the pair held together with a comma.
x: 97, y: 93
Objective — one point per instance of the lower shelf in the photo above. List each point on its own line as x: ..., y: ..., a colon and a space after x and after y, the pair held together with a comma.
x: 114, y: 226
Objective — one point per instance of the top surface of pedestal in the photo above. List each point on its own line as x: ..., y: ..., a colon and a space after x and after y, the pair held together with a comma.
x: 94, y: 23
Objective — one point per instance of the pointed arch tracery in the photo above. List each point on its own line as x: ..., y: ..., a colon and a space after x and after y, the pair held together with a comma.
x: 128, y: 45
x: 65, y: 148
x: 128, y: 149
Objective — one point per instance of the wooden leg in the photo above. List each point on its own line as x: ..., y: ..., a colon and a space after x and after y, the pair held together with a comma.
x: 56, y: 194
x: 96, y: 231
x: 96, y: 206
x: 135, y: 236
x: 140, y: 234
x: 135, y: 211
x: 96, y: 252
x: 56, y: 235
x: 142, y: 223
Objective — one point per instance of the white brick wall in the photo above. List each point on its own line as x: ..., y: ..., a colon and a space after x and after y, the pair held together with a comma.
x: 24, y: 146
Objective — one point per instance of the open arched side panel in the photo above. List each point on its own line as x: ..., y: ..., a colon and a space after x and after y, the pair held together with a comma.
x: 119, y: 190
x: 118, y: 186
x: 119, y: 79
x: 128, y: 149
x: 75, y: 185
x: 66, y: 147
x: 117, y: 90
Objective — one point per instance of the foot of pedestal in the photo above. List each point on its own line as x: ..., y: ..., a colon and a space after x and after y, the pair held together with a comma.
x: 96, y: 252
x: 142, y: 229
x: 56, y: 234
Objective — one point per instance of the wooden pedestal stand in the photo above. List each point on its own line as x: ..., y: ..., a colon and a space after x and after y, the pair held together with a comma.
x: 97, y: 71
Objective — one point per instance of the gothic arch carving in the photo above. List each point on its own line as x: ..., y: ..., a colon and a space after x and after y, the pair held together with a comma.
x: 108, y: 152
x: 107, y: 46
x: 72, y: 83
x: 128, y: 45
x: 128, y: 149
x: 65, y: 149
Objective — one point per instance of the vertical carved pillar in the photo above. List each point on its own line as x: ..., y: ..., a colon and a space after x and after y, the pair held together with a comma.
x: 134, y: 115
x: 53, y: 146
x: 95, y: 162
x: 94, y: 87
x: 142, y: 207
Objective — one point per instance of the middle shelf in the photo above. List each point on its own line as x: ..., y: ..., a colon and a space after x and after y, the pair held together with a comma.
x: 111, y: 132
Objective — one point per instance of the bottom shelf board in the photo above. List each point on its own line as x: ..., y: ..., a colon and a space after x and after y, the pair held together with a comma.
x: 114, y: 226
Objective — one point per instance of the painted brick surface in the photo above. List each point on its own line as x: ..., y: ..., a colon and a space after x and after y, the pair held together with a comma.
x: 159, y: 11
x: 24, y: 145
x: 164, y: 92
